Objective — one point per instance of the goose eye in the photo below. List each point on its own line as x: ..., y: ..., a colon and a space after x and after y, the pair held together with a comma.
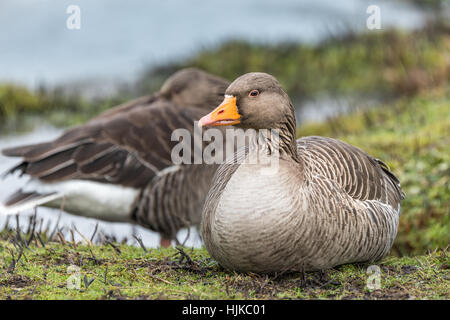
x: 253, y: 93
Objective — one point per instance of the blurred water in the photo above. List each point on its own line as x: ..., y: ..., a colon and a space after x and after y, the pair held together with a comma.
x: 118, y: 38
x: 85, y: 225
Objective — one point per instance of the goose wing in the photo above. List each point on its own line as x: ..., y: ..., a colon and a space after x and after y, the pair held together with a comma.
x: 361, y: 176
x: 127, y: 145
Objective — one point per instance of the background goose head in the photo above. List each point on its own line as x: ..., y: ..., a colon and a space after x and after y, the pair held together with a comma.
x: 194, y: 87
x: 256, y: 100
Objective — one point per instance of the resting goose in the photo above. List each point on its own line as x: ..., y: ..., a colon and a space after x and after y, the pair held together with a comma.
x: 117, y: 167
x: 327, y: 203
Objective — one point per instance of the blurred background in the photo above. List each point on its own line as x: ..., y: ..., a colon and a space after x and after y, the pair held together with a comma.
x: 384, y: 90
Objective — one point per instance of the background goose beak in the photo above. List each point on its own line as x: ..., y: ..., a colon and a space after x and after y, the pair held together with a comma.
x: 225, y: 114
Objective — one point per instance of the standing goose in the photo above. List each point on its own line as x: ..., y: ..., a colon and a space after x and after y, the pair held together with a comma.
x: 117, y: 166
x: 329, y: 203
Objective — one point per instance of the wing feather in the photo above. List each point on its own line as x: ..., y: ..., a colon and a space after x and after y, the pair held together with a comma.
x: 360, y: 175
x: 128, y: 146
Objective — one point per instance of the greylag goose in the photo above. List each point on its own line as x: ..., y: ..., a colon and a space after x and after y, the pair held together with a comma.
x: 327, y: 203
x: 117, y: 166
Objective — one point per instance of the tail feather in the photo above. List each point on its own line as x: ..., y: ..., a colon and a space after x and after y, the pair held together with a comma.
x: 83, y: 198
x: 21, y: 167
x: 21, y: 201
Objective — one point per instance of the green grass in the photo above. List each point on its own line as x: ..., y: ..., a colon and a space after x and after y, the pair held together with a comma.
x: 412, y: 136
x: 128, y: 272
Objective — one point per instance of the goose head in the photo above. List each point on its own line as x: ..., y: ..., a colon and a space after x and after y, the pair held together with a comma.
x: 255, y: 100
x: 194, y: 87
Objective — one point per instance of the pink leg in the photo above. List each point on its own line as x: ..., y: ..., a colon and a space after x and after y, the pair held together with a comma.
x: 165, y: 243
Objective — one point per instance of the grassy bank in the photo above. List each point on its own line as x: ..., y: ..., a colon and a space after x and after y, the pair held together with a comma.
x: 126, y: 272
x: 19, y: 106
x: 411, y: 135
x: 378, y: 64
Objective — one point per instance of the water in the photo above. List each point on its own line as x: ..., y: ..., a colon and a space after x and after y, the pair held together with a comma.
x: 85, y: 225
x: 118, y: 39
x: 326, y: 106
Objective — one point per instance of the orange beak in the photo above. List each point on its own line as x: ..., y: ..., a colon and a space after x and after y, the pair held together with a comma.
x: 226, y: 114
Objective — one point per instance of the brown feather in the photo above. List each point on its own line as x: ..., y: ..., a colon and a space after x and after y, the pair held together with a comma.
x: 130, y: 145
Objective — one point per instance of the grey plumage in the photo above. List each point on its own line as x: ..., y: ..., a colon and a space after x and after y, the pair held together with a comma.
x: 174, y: 200
x: 329, y: 203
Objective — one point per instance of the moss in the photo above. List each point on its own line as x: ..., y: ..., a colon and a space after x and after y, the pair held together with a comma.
x: 106, y: 273
x: 412, y: 137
